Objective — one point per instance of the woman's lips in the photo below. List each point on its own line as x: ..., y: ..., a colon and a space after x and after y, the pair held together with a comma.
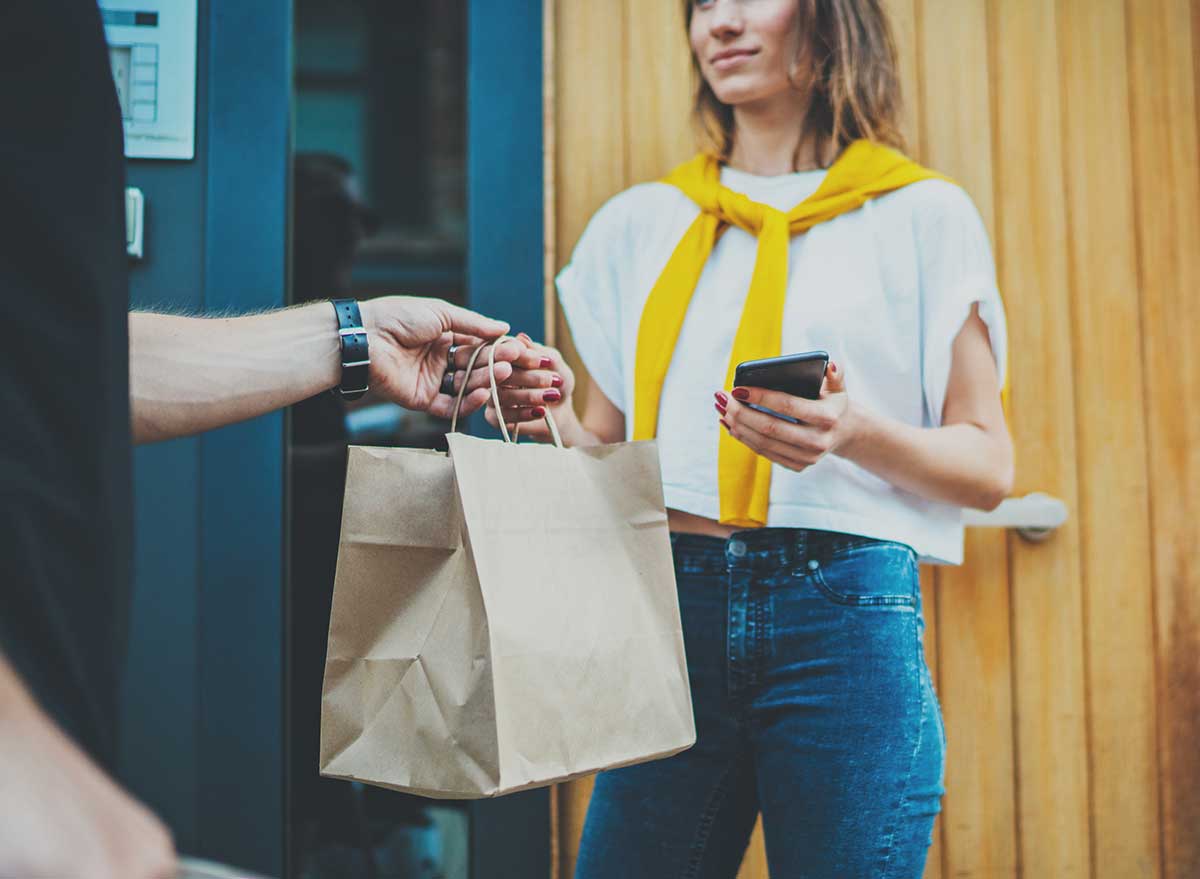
x: 730, y: 59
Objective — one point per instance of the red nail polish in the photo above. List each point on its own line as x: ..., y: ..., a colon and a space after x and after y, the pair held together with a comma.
x: 556, y: 382
x: 538, y: 412
x: 724, y: 424
x: 741, y: 394
x: 545, y: 363
x: 719, y: 408
x: 552, y: 396
x: 722, y: 398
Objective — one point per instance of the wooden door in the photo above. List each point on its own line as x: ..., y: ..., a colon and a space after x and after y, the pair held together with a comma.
x: 1069, y: 671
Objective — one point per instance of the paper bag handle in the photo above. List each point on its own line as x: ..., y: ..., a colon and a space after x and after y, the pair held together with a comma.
x: 462, y: 392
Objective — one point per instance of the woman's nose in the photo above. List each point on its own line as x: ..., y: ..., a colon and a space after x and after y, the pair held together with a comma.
x: 725, y: 19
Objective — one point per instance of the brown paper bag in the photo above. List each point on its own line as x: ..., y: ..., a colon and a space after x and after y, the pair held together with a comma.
x: 503, y: 617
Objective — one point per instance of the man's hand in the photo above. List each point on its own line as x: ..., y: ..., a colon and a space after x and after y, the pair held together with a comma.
x: 410, y: 339
x: 60, y: 815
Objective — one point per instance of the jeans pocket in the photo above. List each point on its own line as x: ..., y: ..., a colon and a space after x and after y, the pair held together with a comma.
x: 881, y: 574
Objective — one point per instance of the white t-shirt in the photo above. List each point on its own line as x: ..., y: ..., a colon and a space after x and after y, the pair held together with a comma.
x: 884, y: 289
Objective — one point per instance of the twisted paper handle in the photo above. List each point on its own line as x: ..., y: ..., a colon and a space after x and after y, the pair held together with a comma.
x: 462, y: 392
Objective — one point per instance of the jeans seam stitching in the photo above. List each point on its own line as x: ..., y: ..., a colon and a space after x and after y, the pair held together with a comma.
x: 707, y: 818
x: 902, y: 804
x: 860, y: 600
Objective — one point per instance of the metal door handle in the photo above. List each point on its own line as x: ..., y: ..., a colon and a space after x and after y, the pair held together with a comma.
x: 1035, y: 516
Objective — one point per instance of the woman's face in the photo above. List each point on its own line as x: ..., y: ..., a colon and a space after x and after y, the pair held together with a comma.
x: 746, y: 48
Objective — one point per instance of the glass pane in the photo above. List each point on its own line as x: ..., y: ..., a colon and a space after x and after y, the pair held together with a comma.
x: 379, y: 207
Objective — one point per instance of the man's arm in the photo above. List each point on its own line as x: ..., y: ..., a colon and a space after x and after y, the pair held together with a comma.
x: 189, y: 374
x: 60, y: 815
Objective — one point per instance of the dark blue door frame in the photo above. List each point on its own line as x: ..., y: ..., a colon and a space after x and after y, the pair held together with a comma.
x: 202, y: 721
x: 510, y: 836
x: 241, y: 759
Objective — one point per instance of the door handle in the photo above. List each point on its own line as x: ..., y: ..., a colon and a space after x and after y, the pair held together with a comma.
x: 1034, y: 516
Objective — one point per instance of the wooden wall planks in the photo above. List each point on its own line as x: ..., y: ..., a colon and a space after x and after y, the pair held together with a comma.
x: 1163, y: 61
x: 1111, y: 439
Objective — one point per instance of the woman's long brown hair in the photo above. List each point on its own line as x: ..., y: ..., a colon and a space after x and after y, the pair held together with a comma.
x: 848, y: 67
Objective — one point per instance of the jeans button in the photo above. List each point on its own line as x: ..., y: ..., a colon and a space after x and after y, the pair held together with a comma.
x: 737, y: 548
x: 813, y: 564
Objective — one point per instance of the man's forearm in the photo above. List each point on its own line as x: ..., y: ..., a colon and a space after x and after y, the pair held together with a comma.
x: 189, y: 374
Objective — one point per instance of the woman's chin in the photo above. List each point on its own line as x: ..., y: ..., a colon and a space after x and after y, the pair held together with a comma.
x: 734, y: 93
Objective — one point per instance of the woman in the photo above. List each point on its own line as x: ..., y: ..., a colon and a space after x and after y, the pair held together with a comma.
x: 796, y: 545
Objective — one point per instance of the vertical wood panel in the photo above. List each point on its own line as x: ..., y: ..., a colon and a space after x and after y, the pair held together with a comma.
x: 1048, y: 673
x: 590, y: 114
x: 1111, y: 442
x: 955, y: 97
x: 658, y: 96
x: 903, y: 15
x: 754, y: 865
x: 1196, y: 59
x: 972, y: 602
x: 978, y: 819
x: 1167, y: 191
x: 590, y: 132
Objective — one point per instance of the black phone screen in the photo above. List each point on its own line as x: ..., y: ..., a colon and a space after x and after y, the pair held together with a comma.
x: 800, y: 375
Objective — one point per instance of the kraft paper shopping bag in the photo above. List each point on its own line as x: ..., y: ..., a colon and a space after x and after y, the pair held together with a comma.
x: 504, y: 617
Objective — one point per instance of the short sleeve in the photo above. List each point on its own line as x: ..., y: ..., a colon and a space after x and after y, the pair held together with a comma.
x: 956, y: 272
x: 589, y: 288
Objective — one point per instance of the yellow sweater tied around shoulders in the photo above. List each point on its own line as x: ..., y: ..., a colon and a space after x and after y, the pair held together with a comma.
x: 863, y: 171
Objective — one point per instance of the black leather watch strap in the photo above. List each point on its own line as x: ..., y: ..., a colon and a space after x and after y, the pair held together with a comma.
x: 356, y: 359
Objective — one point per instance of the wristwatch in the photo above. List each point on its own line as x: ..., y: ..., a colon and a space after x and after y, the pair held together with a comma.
x: 356, y: 359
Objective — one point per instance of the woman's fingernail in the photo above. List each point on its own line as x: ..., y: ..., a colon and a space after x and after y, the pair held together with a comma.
x: 538, y: 412
x: 724, y: 424
x: 722, y: 398
x: 556, y: 382
x: 525, y: 338
x: 545, y: 363
x: 833, y: 368
x: 552, y: 396
x: 741, y: 394
x: 719, y: 408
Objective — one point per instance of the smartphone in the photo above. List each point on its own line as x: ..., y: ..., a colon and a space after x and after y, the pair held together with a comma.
x: 800, y: 375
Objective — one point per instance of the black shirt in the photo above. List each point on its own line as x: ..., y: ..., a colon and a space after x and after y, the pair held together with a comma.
x: 65, y: 480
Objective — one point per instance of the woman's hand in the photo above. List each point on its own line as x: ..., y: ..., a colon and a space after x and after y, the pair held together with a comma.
x: 826, y: 427
x: 528, y: 393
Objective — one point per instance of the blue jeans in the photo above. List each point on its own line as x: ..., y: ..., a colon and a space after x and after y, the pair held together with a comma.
x: 813, y: 704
